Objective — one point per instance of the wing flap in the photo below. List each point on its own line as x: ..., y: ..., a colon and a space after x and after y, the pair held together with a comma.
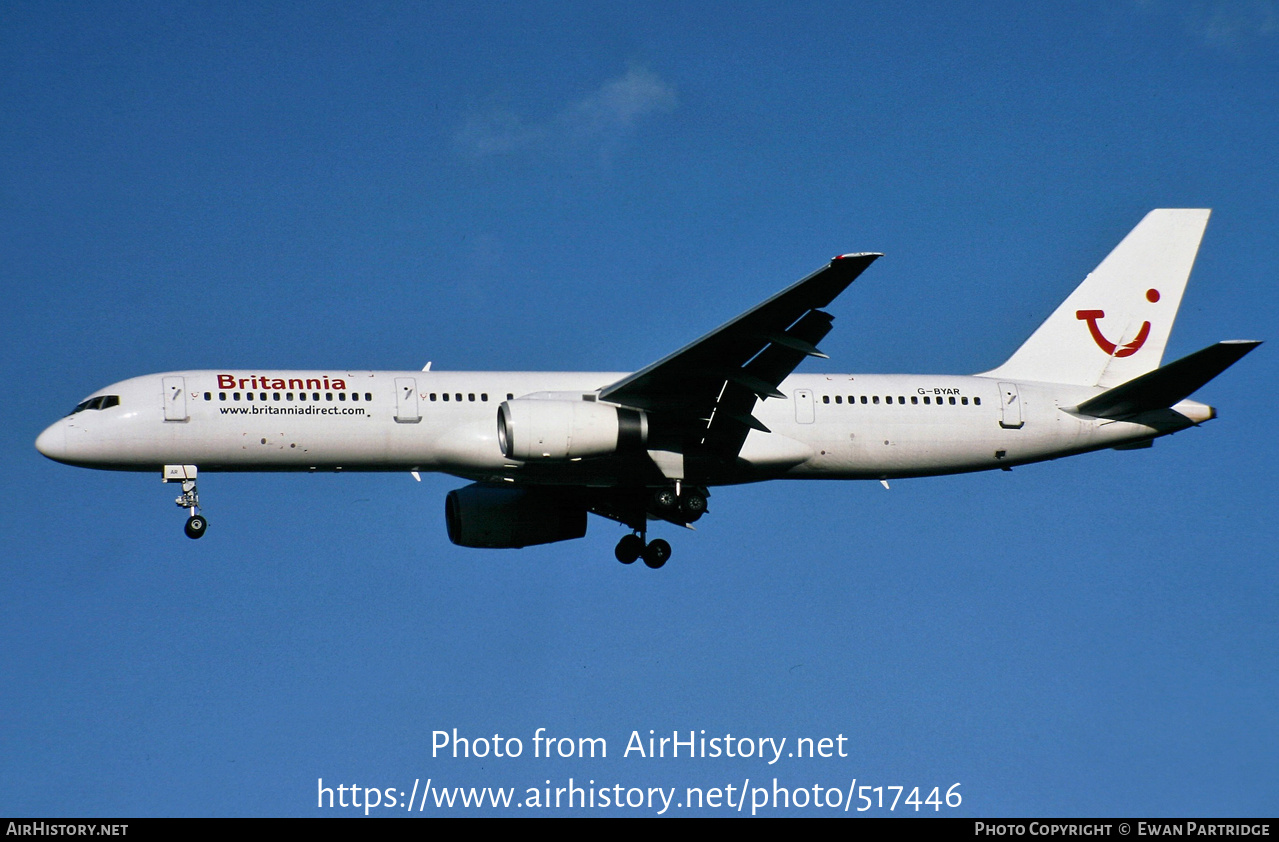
x: 727, y: 430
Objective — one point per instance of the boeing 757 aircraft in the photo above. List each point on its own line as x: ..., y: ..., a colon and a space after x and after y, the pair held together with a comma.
x: 542, y: 449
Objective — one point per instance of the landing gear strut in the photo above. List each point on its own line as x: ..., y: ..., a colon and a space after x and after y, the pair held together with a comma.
x: 190, y: 499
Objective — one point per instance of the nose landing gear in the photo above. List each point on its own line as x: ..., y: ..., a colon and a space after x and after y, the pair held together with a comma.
x: 196, y: 524
x: 190, y: 499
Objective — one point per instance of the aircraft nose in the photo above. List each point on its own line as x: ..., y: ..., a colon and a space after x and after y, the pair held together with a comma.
x: 53, y: 442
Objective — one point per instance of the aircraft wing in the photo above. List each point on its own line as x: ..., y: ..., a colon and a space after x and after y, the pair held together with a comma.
x: 704, y: 392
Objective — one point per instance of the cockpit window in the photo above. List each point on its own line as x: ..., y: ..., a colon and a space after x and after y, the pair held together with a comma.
x: 99, y: 402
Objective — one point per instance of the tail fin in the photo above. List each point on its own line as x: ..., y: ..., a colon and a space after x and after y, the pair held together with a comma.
x: 1114, y: 326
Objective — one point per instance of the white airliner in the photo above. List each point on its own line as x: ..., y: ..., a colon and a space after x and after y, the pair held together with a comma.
x: 543, y: 449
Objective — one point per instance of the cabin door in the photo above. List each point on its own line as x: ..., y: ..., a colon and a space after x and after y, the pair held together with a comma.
x: 175, y: 399
x: 1010, y: 411
x: 406, y: 411
x: 804, y: 406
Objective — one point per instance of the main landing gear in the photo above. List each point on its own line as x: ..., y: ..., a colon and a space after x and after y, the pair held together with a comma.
x: 632, y: 547
x: 190, y: 498
x: 678, y: 504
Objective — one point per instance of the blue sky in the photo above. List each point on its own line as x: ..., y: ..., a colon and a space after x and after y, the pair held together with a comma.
x: 590, y: 186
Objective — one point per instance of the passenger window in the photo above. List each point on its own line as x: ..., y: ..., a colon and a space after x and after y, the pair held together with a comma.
x: 952, y: 400
x: 914, y: 400
x: 875, y: 399
x: 248, y: 396
x: 484, y: 396
x: 446, y: 396
x: 341, y: 396
x: 458, y: 397
x: 221, y: 396
x: 977, y: 401
x: 927, y: 400
x: 471, y: 397
x: 368, y: 396
x: 863, y: 399
x: 301, y: 396
x: 825, y: 398
x: 208, y: 396
x: 288, y: 396
x: 888, y: 399
x: 315, y: 396
x: 964, y: 401
x: 510, y: 396
x: 839, y: 399
x: 275, y: 396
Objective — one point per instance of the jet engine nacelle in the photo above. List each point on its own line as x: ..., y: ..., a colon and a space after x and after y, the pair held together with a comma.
x: 498, y: 517
x: 532, y: 429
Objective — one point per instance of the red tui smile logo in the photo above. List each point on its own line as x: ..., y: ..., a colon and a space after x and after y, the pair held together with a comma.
x: 1111, y: 349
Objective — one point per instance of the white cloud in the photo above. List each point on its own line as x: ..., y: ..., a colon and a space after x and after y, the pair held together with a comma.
x: 600, y: 119
x: 1230, y: 24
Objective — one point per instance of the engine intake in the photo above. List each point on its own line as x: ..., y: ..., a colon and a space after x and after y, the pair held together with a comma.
x: 533, y: 429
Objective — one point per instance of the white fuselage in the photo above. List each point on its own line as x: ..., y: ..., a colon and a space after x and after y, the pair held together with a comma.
x: 826, y: 426
x: 545, y: 449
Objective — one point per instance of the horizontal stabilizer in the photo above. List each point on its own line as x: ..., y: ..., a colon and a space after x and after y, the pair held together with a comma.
x: 1166, y: 386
